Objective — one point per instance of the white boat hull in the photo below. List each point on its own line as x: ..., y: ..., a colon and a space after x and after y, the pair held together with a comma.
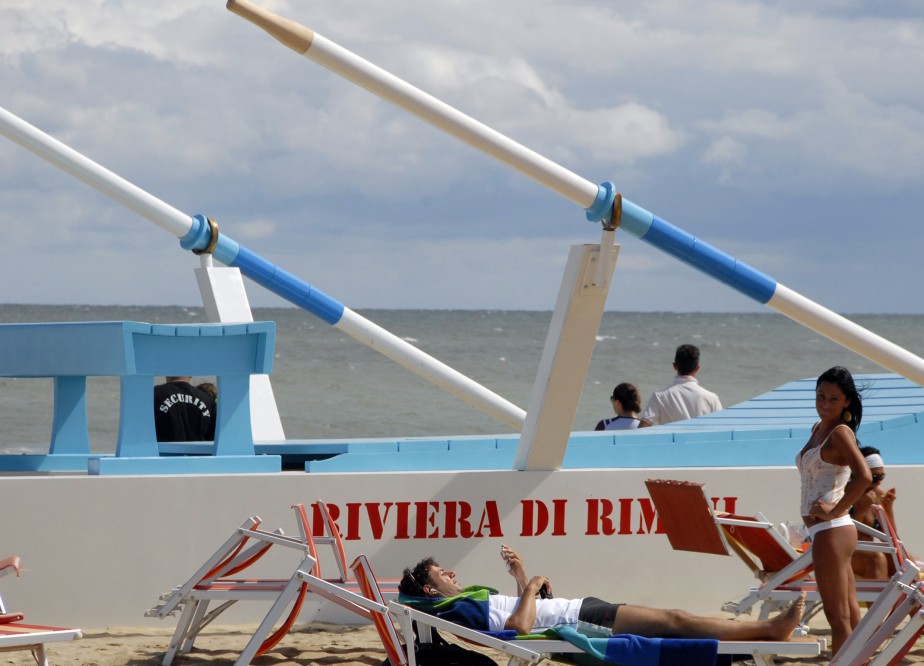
x: 98, y: 551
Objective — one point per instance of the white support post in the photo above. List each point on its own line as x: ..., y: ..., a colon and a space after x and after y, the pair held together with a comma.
x: 565, y: 358
x: 225, y: 301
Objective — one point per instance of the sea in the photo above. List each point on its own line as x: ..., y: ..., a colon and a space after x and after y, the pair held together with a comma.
x: 327, y: 385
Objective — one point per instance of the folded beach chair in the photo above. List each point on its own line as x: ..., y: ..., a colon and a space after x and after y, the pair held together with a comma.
x: 368, y: 604
x: 215, y: 581
x: 413, y: 622
x: 901, y: 600
x: 17, y: 635
x: 302, y: 583
x: 331, y: 537
x: 784, y: 573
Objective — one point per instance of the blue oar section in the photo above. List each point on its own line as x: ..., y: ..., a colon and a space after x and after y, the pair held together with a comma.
x: 683, y: 246
x: 264, y: 273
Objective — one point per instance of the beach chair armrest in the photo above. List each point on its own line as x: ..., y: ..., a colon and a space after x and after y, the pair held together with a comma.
x: 406, y: 615
x: 811, y: 648
x: 873, y: 547
x: 37, y: 635
x: 743, y: 523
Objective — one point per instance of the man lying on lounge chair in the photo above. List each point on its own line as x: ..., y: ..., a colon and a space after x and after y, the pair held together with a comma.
x: 435, y: 590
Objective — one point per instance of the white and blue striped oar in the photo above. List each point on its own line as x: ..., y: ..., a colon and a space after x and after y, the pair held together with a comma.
x: 596, y: 200
x: 200, y: 234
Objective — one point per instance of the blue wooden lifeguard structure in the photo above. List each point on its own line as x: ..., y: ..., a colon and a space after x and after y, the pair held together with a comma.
x: 137, y: 352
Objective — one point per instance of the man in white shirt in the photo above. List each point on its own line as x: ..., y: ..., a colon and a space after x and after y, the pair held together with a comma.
x: 685, y: 398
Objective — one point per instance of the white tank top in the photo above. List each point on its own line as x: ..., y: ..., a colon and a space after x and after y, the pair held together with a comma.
x: 820, y: 479
x: 549, y: 612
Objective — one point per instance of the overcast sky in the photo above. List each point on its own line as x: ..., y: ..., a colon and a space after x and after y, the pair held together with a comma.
x: 788, y: 134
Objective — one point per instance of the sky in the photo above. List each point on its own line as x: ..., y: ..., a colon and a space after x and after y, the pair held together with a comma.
x: 787, y: 134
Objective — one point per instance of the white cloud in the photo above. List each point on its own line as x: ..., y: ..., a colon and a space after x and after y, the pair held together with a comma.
x: 725, y: 150
x: 256, y: 229
x: 772, y: 122
x: 753, y: 122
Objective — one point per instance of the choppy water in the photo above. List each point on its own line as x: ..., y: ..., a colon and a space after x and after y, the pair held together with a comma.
x: 328, y: 385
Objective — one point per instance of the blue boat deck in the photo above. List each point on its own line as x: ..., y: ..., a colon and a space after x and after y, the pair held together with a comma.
x: 767, y: 430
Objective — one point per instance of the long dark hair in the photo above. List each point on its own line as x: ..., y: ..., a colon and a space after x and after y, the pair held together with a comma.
x: 841, y: 377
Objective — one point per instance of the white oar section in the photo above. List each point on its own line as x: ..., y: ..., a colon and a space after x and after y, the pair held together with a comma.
x: 848, y: 334
x: 597, y: 200
x: 94, y: 175
x: 424, y: 365
x: 478, y: 135
x: 194, y: 233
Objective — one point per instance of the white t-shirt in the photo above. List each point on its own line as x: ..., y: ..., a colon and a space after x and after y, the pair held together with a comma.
x: 684, y: 399
x: 549, y: 612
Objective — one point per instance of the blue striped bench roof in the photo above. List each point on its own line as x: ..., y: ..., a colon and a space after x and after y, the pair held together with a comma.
x: 764, y: 431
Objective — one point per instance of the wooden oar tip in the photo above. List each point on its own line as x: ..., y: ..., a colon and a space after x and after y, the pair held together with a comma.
x: 296, y: 37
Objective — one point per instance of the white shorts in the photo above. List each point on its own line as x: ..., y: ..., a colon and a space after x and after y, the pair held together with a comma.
x: 840, y: 521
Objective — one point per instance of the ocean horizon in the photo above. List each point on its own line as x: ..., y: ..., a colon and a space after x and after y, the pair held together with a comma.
x: 327, y: 385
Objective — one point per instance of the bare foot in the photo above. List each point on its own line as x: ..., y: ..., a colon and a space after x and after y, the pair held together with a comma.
x: 784, y: 623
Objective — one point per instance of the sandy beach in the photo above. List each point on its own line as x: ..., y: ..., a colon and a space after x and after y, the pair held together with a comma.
x: 314, y: 644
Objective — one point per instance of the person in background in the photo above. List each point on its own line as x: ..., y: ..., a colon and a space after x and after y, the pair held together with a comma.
x: 626, y: 405
x: 182, y: 412
x: 209, y: 388
x: 685, y: 398
x: 834, y: 477
x: 870, y: 564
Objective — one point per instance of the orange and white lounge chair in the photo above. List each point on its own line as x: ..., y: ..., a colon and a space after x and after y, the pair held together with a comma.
x: 519, y: 652
x: 332, y: 537
x: 874, y: 641
x: 215, y: 581
x: 784, y: 573
x: 17, y: 635
x: 368, y: 604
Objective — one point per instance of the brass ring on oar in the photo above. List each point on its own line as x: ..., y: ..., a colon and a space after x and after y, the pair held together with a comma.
x: 617, y: 214
x: 213, y: 240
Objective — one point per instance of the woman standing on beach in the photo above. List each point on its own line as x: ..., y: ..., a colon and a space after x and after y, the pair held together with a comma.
x: 834, y: 476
